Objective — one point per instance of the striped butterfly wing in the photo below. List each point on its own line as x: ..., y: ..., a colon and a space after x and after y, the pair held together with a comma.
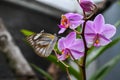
x: 42, y: 43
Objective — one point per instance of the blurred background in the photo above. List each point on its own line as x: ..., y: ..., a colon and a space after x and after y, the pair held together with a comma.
x: 37, y: 15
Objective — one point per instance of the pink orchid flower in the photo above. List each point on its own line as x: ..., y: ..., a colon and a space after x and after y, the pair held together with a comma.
x: 70, y: 47
x: 97, y: 33
x: 86, y: 5
x: 70, y: 20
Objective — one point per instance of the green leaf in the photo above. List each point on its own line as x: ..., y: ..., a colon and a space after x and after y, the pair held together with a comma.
x: 117, y: 24
x: 79, y: 29
x: 42, y: 72
x: 27, y: 32
x: 95, y: 54
x: 70, y: 68
x: 102, y: 72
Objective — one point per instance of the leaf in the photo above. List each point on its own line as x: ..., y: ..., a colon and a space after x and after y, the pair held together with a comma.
x: 117, y: 24
x: 42, y: 72
x: 79, y: 29
x: 27, y: 32
x: 102, y: 72
x: 71, y: 69
x: 97, y: 53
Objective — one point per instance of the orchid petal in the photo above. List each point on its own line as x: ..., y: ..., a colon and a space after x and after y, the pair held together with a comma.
x: 61, y: 30
x: 90, y: 37
x: 109, y: 31
x: 61, y: 44
x: 61, y: 26
x: 77, y: 45
x: 99, y: 23
x: 89, y: 27
x: 104, y: 41
x: 76, y: 54
x: 75, y: 20
x: 70, y: 39
x: 75, y: 17
x: 75, y: 24
x: 62, y: 57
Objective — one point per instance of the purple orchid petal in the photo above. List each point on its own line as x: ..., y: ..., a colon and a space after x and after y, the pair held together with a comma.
x: 61, y: 44
x: 99, y: 23
x: 69, y: 14
x: 75, y: 17
x: 70, y: 39
x: 90, y: 38
x: 61, y: 26
x: 75, y: 20
x: 75, y: 24
x: 61, y: 57
x: 104, y: 41
x: 89, y: 27
x: 109, y: 30
x: 62, y: 30
x: 77, y: 45
x: 76, y: 54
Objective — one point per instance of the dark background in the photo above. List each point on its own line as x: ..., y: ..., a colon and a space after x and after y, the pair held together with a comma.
x: 16, y: 18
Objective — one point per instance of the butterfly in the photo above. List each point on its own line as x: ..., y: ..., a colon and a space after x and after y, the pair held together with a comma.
x: 42, y: 43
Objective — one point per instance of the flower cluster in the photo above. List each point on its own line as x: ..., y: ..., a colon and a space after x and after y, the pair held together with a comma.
x: 96, y: 33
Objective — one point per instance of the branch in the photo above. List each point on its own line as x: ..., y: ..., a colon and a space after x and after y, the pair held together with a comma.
x: 16, y: 60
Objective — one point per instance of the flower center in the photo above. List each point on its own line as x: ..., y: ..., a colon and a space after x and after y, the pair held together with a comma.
x: 66, y: 52
x: 96, y: 39
x: 64, y: 21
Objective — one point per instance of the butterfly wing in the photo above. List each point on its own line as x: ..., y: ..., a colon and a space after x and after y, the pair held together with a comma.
x: 42, y: 43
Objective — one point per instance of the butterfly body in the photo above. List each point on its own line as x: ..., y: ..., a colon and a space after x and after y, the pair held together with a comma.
x: 42, y: 43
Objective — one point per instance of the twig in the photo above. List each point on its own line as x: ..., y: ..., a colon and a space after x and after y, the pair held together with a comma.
x: 64, y: 65
x: 68, y: 73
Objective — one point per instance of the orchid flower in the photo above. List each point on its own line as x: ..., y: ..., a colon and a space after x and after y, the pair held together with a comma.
x: 97, y: 33
x: 70, y: 20
x: 86, y: 5
x: 70, y: 47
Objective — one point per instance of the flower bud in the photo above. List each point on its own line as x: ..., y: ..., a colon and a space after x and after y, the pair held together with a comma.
x: 87, y: 5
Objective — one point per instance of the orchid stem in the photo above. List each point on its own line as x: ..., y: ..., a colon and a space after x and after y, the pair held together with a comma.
x: 83, y: 68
